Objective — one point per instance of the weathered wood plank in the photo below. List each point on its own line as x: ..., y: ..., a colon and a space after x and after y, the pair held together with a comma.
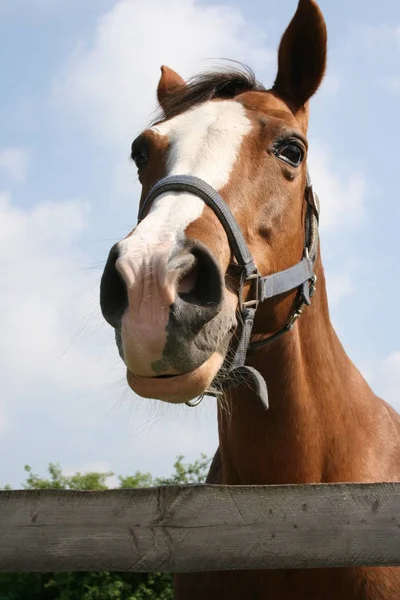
x: 199, y: 528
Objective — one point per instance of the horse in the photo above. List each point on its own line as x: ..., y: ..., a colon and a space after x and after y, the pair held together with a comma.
x: 220, y: 289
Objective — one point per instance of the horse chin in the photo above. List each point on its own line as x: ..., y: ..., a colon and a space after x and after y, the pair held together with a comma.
x: 177, y: 388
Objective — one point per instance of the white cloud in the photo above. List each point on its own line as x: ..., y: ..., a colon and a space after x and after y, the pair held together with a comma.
x: 383, y: 375
x: 14, y: 162
x: 65, y: 372
x: 46, y: 299
x: 112, y: 84
x: 342, y: 197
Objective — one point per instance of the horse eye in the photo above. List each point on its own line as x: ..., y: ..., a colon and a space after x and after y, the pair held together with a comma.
x: 291, y: 153
x: 139, y: 158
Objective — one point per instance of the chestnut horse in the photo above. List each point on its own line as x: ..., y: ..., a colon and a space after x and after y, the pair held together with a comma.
x: 228, y: 236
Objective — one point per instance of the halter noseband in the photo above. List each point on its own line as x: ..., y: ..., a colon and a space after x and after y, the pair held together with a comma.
x: 299, y: 276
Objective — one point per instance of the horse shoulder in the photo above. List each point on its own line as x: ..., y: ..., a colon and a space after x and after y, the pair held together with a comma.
x: 378, y: 442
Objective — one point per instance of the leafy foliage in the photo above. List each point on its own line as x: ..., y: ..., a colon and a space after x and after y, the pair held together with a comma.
x: 97, y: 585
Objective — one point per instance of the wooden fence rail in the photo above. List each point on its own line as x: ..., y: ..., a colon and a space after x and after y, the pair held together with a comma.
x: 200, y: 528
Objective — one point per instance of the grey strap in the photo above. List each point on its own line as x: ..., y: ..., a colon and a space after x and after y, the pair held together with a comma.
x: 238, y: 371
x: 251, y: 375
x: 287, y: 280
x: 198, y: 187
x: 248, y: 316
x: 270, y: 286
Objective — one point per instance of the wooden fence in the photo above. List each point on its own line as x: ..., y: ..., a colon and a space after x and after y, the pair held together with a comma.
x: 200, y: 528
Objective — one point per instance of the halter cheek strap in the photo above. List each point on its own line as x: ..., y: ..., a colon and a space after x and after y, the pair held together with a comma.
x: 300, y: 276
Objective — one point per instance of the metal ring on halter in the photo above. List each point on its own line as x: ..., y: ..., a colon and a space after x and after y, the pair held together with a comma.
x: 211, y: 391
x: 194, y: 403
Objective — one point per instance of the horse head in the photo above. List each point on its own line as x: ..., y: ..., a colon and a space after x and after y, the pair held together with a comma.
x: 173, y: 288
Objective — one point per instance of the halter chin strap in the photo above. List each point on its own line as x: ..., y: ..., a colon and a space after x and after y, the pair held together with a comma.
x: 300, y: 276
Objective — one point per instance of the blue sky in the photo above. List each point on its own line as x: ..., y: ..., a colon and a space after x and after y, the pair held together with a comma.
x: 78, y: 84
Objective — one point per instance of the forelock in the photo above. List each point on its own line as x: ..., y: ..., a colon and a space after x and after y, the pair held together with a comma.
x: 222, y: 83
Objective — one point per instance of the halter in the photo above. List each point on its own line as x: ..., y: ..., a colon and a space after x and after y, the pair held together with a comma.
x: 299, y: 276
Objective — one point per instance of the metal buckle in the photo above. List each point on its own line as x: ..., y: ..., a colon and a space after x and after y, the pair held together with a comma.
x: 296, y: 315
x: 313, y: 287
x: 255, y: 278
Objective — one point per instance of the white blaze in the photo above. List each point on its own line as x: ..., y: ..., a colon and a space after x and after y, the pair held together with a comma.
x: 204, y: 142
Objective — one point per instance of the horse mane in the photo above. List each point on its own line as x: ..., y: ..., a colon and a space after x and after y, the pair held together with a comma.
x: 223, y: 83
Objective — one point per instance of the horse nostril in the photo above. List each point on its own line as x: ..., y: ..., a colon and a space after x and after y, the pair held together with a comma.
x: 188, y: 281
x: 200, y: 291
x: 193, y: 277
x: 113, y: 294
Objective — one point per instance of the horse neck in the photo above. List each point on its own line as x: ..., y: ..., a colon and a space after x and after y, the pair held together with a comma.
x: 310, y: 383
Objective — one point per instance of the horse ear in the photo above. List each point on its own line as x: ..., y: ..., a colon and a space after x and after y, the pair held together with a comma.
x: 169, y: 82
x: 302, y: 56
